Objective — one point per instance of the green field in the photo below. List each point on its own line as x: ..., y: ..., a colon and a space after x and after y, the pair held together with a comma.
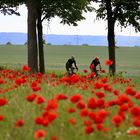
x: 77, y: 107
x: 127, y: 58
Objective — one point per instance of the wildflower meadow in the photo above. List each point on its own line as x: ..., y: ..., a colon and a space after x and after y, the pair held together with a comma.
x: 57, y: 107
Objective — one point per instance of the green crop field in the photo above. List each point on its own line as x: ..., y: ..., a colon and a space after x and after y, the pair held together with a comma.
x: 127, y: 58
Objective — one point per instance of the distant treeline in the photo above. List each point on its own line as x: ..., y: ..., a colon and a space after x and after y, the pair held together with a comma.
x: 85, y: 40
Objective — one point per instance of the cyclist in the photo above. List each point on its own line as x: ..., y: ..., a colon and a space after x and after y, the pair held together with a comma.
x: 95, y: 62
x: 69, y: 65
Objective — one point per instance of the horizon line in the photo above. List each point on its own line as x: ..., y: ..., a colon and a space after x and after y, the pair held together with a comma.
x: 76, y: 34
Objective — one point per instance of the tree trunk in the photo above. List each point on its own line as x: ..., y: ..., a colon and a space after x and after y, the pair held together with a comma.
x: 111, y: 37
x: 40, y: 43
x: 32, y: 38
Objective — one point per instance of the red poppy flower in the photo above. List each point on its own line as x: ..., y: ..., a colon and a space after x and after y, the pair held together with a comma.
x: 87, y: 122
x: 117, y: 120
x: 72, y: 120
x: 1, y: 81
x: 75, y: 98
x: 34, y: 84
x: 124, y: 107
x: 99, y: 127
x: 91, y: 66
x: 45, y: 122
x: 52, y: 105
x: 36, y: 88
x: 107, y: 87
x: 102, y: 113
x: 54, y: 138
x: 84, y: 112
x: 23, y: 80
x: 89, y: 129
x: 71, y: 110
x: 1, y: 117
x: 92, y: 103
x: 136, y: 122
x: 39, y: 74
x: 100, y: 103
x: 95, y: 117
x: 18, y: 81
x: 116, y: 92
x: 31, y: 97
x: 19, y: 123
x: 130, y: 104
x: 74, y: 78
x: 122, y: 99
x: 111, y: 103
x: 61, y: 97
x: 133, y: 131
x: 92, y: 74
x: 40, y: 134
x: 108, y: 62
x: 98, y: 119
x: 26, y: 68
x: 135, y: 111
x: 104, y: 79
x: 103, y: 71
x: 137, y: 96
x: 40, y: 100
x: 52, y: 116
x: 53, y: 75
x: 98, y: 85
x: 100, y: 94
x: 80, y: 104
x: 3, y: 101
x: 1, y: 91
x: 38, y: 120
x: 130, y: 91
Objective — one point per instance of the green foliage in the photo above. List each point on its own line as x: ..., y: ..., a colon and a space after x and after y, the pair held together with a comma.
x: 48, y: 44
x: 10, y: 6
x: 8, y: 43
x: 126, y: 12
x: 43, y: 41
x: 25, y: 43
x: 70, y: 11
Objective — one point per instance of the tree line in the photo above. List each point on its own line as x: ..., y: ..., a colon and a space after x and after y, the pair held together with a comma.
x: 123, y: 12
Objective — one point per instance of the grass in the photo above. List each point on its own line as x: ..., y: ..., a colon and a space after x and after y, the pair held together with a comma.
x: 127, y: 58
x: 18, y: 107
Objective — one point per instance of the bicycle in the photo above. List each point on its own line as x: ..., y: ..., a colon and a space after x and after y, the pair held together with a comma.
x: 71, y: 71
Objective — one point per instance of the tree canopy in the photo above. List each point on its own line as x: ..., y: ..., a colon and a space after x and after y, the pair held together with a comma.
x: 126, y: 12
x: 10, y: 6
x: 70, y: 11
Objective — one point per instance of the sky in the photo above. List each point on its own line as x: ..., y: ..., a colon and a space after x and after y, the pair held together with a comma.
x: 89, y: 26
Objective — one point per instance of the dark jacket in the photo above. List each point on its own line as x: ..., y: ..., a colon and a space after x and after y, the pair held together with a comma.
x: 69, y: 63
x: 95, y: 62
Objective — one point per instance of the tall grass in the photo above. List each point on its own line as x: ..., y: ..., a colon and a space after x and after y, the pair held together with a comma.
x: 68, y: 108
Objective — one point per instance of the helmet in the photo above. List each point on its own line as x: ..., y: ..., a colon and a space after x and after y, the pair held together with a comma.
x: 97, y: 57
x: 73, y: 57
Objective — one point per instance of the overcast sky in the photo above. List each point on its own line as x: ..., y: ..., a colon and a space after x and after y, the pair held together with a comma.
x: 90, y: 26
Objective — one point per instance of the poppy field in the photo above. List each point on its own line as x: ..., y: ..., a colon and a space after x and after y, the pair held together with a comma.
x: 57, y: 107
